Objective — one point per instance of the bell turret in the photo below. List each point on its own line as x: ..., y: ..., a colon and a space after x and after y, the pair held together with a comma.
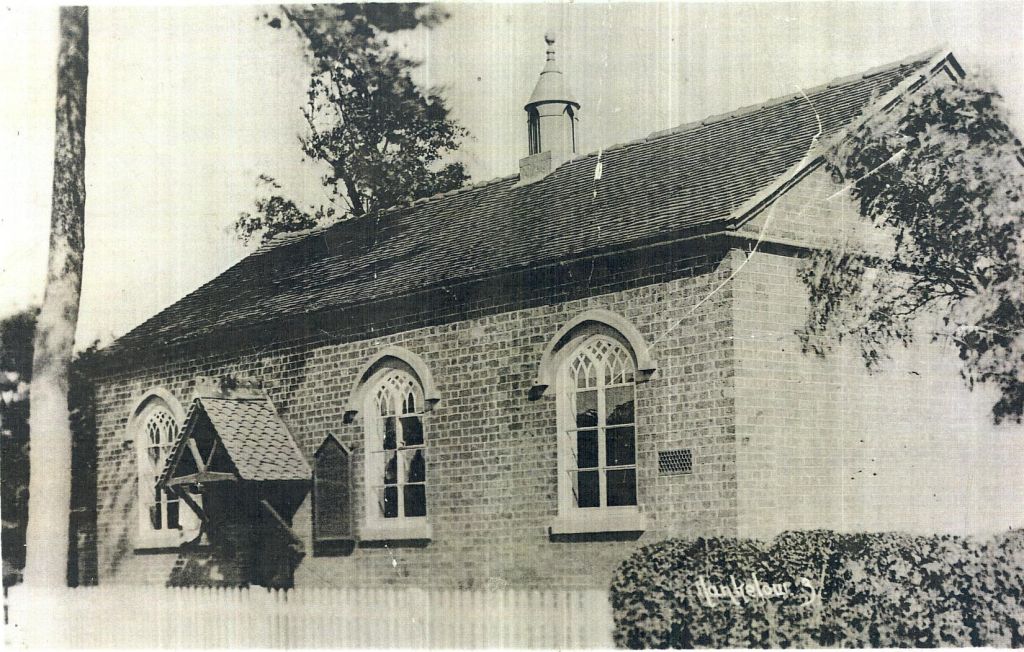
x: 551, y: 112
x: 551, y: 121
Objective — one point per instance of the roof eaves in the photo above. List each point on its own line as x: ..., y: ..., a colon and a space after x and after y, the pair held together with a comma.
x: 677, y: 236
x: 297, y: 238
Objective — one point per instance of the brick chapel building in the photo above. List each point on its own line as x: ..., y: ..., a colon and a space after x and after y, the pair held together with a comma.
x: 519, y: 382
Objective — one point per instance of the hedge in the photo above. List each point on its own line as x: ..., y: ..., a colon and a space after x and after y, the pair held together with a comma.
x: 822, y: 589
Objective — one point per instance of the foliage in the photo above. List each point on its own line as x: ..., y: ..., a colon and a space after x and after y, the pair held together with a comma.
x: 16, y: 335
x: 844, y: 590
x: 276, y: 214
x: 381, y: 138
x: 16, y: 348
x: 943, y: 176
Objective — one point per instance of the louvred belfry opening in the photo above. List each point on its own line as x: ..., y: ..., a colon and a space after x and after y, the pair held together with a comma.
x: 552, y: 110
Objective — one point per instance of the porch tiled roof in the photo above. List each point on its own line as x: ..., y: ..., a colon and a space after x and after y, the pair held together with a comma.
x: 252, y: 434
x: 671, y: 183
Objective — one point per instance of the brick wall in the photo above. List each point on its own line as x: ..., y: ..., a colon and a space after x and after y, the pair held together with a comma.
x: 492, y: 450
x: 780, y: 440
x: 823, y: 443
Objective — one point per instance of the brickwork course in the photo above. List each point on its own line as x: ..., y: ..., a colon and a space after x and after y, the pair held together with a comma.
x: 703, y: 264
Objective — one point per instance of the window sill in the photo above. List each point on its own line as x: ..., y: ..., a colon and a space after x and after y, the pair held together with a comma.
x: 148, y: 543
x: 629, y: 521
x: 415, y: 531
x: 168, y: 545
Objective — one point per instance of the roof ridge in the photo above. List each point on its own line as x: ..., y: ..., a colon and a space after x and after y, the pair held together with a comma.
x: 292, y: 237
x: 739, y: 112
x: 920, y: 59
x: 492, y: 191
x: 924, y: 56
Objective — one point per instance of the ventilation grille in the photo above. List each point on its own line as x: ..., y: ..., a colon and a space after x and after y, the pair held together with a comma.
x: 675, y: 462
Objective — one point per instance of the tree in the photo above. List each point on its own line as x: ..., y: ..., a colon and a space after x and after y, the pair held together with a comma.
x: 943, y: 176
x: 49, y: 419
x: 380, y: 137
x: 16, y: 333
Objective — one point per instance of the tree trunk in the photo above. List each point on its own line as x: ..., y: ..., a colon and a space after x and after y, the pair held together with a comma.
x: 49, y: 503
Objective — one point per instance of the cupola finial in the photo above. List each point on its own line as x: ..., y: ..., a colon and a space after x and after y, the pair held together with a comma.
x: 551, y: 117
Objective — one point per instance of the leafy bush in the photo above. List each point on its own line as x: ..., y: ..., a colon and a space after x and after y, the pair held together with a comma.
x: 819, y: 588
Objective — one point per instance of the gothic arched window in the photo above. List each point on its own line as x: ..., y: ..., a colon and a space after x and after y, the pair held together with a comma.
x: 396, y: 455
x: 159, y: 432
x: 153, y: 427
x: 596, y: 434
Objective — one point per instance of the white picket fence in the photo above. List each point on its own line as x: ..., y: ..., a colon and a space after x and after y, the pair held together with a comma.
x: 157, y: 617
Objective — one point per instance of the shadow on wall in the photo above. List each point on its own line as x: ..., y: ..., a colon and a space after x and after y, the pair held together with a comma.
x: 196, y: 566
x: 339, y: 548
x: 208, y: 566
x: 119, y: 505
x: 249, y: 541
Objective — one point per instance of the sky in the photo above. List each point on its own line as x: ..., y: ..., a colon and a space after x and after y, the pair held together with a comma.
x: 188, y: 105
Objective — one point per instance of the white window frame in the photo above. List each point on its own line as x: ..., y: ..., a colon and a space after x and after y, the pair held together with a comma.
x: 376, y: 526
x: 573, y: 519
x: 154, y: 406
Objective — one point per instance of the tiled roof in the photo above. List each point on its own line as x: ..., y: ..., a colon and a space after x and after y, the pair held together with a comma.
x: 693, y: 177
x: 253, y: 435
